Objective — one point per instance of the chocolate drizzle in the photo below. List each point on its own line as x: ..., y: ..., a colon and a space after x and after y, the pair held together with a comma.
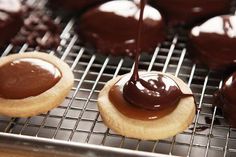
x: 150, y: 94
x: 213, y: 42
x: 26, y: 77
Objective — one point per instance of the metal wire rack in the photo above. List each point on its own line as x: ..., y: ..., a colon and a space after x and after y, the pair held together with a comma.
x: 77, y: 119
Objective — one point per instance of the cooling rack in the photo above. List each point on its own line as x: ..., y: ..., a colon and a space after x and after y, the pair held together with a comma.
x: 76, y: 126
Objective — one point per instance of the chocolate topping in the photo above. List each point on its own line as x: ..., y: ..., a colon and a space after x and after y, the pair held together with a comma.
x: 10, y: 19
x: 111, y: 28
x: 191, y: 11
x: 158, y: 96
x: 213, y: 42
x: 152, y: 92
x: 130, y: 110
x: 226, y: 99
x: 26, y: 77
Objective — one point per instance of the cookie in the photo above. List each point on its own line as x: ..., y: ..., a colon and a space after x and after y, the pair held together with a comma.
x: 32, y: 83
x: 166, y: 126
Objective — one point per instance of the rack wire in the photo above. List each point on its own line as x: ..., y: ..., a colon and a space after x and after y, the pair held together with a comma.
x: 77, y: 119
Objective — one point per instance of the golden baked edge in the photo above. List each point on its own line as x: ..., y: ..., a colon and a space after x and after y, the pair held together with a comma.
x: 44, y: 102
x: 167, y: 126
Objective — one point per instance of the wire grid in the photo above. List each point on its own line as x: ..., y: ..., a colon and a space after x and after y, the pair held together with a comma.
x: 77, y: 119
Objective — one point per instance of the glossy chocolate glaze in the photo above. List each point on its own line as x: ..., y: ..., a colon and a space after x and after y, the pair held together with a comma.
x: 133, y: 111
x: 191, y: 11
x: 10, y: 19
x: 146, y: 95
x: 152, y: 91
x: 73, y: 5
x: 26, y: 77
x: 214, y: 42
x: 111, y: 28
x: 149, y: 102
x: 226, y: 99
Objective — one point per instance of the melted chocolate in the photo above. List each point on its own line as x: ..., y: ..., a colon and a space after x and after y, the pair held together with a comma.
x: 227, y: 99
x: 152, y: 91
x: 200, y: 128
x: 147, y: 95
x: 39, y: 30
x: 26, y: 77
x: 191, y: 11
x: 132, y: 111
x: 111, y: 28
x: 213, y: 42
x: 158, y: 97
x: 10, y: 19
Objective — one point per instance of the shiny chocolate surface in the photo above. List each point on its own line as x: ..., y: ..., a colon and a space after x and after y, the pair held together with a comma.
x: 214, y: 42
x: 26, y: 77
x: 116, y: 96
x: 152, y: 91
x: 111, y: 28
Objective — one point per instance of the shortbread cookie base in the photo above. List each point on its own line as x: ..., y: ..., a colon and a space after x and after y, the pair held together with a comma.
x: 167, y: 126
x: 47, y: 100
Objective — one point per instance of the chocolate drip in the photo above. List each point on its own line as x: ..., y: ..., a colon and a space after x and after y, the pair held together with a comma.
x: 153, y: 92
x: 26, y: 77
x: 226, y: 99
x: 213, y: 42
x: 135, y: 77
x: 200, y: 128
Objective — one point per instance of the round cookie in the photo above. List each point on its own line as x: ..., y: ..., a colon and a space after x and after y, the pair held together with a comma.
x: 169, y: 125
x: 31, y: 104
x: 191, y: 11
x: 214, y: 42
x: 111, y: 28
